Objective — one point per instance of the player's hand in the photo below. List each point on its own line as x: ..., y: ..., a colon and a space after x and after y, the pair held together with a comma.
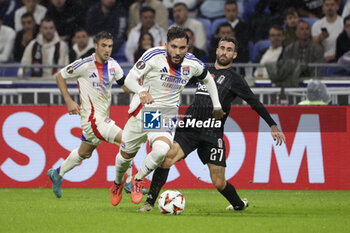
x: 73, y: 108
x: 277, y: 135
x: 218, y: 114
x: 146, y: 98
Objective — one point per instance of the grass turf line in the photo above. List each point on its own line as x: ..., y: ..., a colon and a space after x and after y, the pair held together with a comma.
x: 89, y: 210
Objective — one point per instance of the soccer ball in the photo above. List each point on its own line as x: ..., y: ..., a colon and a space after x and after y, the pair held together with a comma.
x: 171, y: 202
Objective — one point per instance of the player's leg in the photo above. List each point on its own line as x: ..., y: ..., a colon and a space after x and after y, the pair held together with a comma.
x: 184, y: 143
x: 213, y: 154
x: 160, y: 147
x: 132, y: 140
x: 217, y: 174
x: 160, y: 176
x: 74, y: 158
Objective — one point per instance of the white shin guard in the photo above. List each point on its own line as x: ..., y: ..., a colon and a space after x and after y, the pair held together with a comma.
x: 153, y: 159
x: 121, y: 165
x: 71, y: 161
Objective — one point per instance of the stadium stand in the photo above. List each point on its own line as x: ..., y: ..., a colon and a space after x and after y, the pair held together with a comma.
x: 216, y: 23
x: 259, y: 46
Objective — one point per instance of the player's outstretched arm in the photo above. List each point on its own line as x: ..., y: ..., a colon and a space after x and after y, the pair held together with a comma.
x: 73, y: 107
x: 277, y: 135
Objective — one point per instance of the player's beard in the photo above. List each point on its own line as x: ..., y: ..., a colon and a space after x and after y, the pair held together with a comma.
x: 225, y: 62
x: 171, y: 60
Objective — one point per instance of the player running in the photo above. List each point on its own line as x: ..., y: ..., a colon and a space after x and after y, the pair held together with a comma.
x: 165, y: 71
x: 95, y: 75
x: 209, y: 142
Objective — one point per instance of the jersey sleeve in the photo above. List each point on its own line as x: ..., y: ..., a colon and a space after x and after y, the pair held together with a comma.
x: 73, y: 70
x: 200, y: 71
x: 241, y: 89
x: 119, y: 74
x: 142, y: 66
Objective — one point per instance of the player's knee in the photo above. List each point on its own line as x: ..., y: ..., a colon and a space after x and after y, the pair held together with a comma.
x: 85, y: 155
x: 127, y: 155
x: 159, y: 150
x: 167, y: 163
x: 219, y: 183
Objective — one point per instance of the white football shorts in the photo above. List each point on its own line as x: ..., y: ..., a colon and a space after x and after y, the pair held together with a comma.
x: 134, y: 136
x: 99, y: 129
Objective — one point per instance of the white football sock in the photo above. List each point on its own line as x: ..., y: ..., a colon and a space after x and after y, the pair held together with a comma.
x: 71, y: 161
x: 121, y: 165
x: 153, y: 159
x: 129, y: 173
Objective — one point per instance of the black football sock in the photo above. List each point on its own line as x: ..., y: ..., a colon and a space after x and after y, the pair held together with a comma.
x: 229, y: 192
x: 159, y: 178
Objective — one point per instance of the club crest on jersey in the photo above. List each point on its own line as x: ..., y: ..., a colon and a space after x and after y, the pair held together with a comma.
x: 220, y: 143
x: 220, y: 79
x: 112, y: 71
x: 140, y: 65
x: 185, y: 70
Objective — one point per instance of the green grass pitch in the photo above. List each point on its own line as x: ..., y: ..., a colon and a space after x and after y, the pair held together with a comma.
x: 89, y: 210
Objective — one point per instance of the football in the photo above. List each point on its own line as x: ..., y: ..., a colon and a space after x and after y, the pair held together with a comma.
x: 171, y: 202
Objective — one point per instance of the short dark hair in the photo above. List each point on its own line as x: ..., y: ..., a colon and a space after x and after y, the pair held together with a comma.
x: 80, y: 29
x: 302, y: 21
x: 175, y: 33
x: 180, y: 4
x: 102, y: 35
x: 277, y: 27
x: 189, y: 30
x: 229, y: 39
x: 225, y: 24
x: 346, y: 18
x: 146, y: 9
x: 289, y: 11
x: 27, y: 14
x: 47, y: 19
x: 228, y: 2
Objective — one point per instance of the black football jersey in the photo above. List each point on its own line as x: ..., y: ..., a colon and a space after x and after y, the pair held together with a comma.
x: 230, y: 85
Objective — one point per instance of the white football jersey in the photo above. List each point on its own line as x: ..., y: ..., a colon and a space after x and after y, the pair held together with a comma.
x: 94, y: 82
x: 164, y: 81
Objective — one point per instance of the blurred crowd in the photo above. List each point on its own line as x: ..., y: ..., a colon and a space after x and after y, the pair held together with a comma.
x: 268, y: 31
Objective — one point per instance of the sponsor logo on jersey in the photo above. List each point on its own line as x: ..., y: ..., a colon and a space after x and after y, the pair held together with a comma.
x: 220, y: 79
x: 112, y: 71
x: 69, y: 69
x: 172, y: 79
x: 164, y: 70
x: 202, y: 87
x: 186, y: 70
x: 220, y: 143
x: 152, y: 119
x: 93, y: 75
x: 140, y: 65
